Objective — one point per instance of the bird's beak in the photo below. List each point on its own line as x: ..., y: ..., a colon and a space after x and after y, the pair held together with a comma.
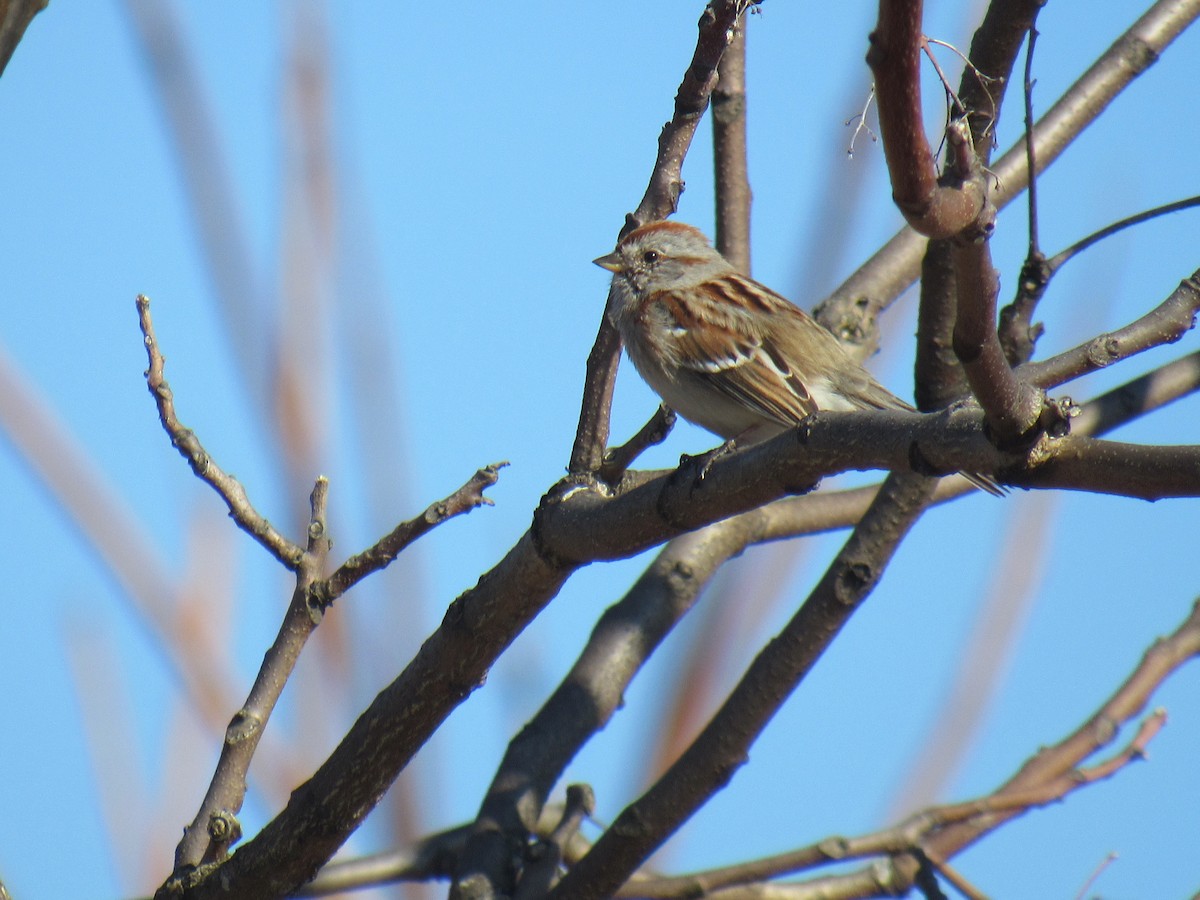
x: 612, y: 262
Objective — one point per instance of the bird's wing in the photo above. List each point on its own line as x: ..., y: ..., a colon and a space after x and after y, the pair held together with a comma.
x: 729, y: 353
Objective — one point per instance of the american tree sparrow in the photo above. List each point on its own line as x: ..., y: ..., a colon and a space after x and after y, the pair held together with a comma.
x: 724, y: 351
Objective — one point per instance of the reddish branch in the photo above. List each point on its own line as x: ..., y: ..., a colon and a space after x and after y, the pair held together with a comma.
x: 994, y: 48
x: 956, y: 206
x: 933, y: 208
x: 896, y: 265
x: 1012, y: 407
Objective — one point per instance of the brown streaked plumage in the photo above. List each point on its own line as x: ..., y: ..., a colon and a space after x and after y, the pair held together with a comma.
x: 725, y: 351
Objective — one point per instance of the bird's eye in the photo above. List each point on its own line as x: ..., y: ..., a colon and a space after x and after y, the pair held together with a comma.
x: 650, y: 257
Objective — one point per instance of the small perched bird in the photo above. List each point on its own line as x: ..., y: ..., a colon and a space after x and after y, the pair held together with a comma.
x: 724, y: 351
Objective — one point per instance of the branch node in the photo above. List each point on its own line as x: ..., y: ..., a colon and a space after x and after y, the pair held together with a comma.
x: 224, y: 828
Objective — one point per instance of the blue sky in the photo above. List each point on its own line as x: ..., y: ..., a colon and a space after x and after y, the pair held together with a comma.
x: 480, y: 160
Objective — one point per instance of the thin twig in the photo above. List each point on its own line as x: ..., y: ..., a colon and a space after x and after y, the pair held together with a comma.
x: 860, y: 123
x: 215, y: 827
x: 1164, y: 324
x: 1055, y: 765
x: 1062, y: 257
x: 1095, y: 874
x: 185, y: 441
x: 1030, y: 150
x: 468, y: 497
x: 916, y: 832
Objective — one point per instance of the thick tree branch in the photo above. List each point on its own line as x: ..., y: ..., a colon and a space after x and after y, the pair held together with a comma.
x: 938, y: 374
x: 896, y: 265
x: 721, y: 748
x: 1012, y: 407
x: 932, y: 206
x: 624, y: 638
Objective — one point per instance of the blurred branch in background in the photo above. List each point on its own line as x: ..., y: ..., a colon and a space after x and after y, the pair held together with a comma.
x: 238, y: 284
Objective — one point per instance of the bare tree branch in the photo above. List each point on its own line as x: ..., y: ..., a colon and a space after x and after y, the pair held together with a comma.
x: 1164, y: 324
x: 954, y: 205
x: 1013, y: 408
x: 1052, y: 768
x: 721, y: 748
x: 215, y: 827
x: 939, y: 374
x: 942, y: 831
x: 433, y: 857
x: 15, y: 16
x: 624, y: 638
x: 903, y: 838
x: 932, y: 206
x: 730, y: 168
x: 716, y: 26
x: 896, y: 265
x: 386, y: 549
x: 185, y: 441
